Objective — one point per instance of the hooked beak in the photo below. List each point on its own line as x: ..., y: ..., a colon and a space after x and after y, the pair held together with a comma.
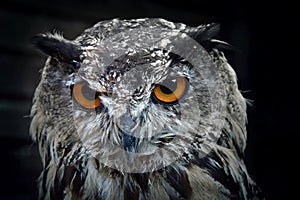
x: 129, y: 143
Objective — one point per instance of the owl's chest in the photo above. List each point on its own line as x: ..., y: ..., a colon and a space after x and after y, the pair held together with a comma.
x: 168, y: 183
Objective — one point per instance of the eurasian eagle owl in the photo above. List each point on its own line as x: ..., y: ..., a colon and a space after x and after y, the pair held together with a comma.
x: 140, y: 109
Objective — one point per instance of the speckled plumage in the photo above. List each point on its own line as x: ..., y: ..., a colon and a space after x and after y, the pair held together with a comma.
x: 134, y: 147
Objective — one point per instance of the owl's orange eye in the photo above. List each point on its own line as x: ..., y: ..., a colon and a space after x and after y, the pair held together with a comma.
x: 85, y: 96
x: 170, y: 91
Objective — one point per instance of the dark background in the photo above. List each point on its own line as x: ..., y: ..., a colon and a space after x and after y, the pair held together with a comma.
x: 266, y: 64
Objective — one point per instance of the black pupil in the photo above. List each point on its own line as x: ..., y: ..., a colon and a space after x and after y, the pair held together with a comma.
x: 88, y: 93
x: 169, y: 86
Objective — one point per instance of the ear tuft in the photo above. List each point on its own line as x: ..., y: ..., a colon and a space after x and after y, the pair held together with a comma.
x: 56, y: 46
x: 207, y: 32
x: 206, y: 35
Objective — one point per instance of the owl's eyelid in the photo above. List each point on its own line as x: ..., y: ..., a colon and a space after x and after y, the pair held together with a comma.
x: 89, y: 86
x: 172, y: 78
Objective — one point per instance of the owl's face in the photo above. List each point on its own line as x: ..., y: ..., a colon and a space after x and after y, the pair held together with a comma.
x: 138, y: 109
x: 140, y: 98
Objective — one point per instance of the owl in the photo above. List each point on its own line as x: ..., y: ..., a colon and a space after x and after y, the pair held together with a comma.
x: 140, y: 109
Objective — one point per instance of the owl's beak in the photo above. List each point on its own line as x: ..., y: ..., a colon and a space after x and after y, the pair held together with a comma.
x: 129, y: 143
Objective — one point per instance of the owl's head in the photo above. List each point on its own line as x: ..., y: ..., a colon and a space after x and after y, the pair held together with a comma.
x: 135, y: 94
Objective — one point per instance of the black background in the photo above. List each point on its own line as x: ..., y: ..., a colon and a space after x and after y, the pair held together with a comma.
x: 266, y: 66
